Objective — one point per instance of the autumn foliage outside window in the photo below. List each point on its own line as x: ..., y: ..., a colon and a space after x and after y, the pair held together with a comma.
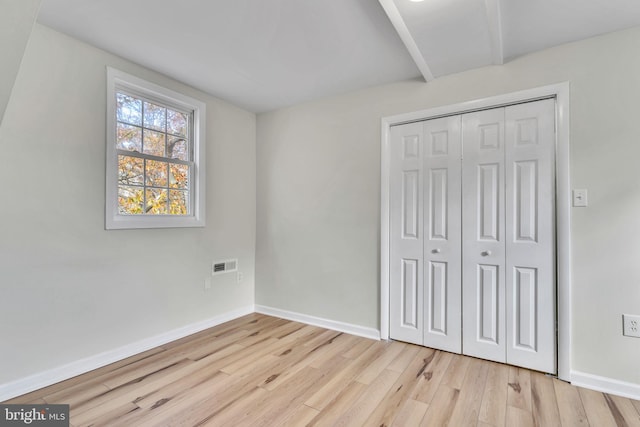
x: 154, y: 160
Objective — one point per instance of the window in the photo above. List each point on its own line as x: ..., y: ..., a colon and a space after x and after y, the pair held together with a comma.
x: 155, y: 155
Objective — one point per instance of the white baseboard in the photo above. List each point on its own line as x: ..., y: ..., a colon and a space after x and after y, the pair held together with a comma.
x: 606, y: 385
x: 319, y: 321
x: 61, y: 373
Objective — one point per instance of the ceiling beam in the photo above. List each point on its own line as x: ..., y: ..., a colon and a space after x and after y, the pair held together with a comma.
x: 494, y: 20
x: 402, y: 30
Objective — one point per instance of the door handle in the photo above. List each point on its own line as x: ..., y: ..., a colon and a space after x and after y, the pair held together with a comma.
x: 485, y: 253
x: 435, y: 251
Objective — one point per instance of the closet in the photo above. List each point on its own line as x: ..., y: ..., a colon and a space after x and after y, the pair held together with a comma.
x: 472, y: 234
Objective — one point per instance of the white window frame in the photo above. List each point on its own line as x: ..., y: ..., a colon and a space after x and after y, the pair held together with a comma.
x: 119, y: 80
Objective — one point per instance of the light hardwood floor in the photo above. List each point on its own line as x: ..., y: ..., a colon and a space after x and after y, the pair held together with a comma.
x: 264, y: 371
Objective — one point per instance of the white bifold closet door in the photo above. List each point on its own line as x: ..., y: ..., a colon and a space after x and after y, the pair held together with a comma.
x: 509, y: 289
x: 425, y: 233
x: 472, y: 234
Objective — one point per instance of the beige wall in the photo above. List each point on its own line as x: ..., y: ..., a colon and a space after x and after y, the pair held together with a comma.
x: 16, y: 21
x: 70, y: 289
x: 318, y: 192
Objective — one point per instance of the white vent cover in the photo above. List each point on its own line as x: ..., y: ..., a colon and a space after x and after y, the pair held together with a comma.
x: 227, y: 266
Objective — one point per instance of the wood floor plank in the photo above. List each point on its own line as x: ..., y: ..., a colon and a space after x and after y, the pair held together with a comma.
x: 517, y: 417
x: 357, y: 414
x: 210, y: 345
x: 187, y: 378
x: 494, y: 401
x: 263, y: 371
x: 75, y: 396
x: 467, y: 409
x: 267, y: 405
x: 82, y: 380
x: 569, y: 404
x: 288, y: 396
x: 155, y: 389
x: 287, y: 329
x: 623, y: 411
x: 432, y: 377
x: 543, y: 401
x: 262, y: 333
x: 441, y: 407
x: 373, y: 370
x: 166, y: 412
x: 456, y: 371
x: 302, y: 416
x: 128, y: 392
x: 386, y: 412
x: 358, y: 349
x: 234, y: 412
x: 222, y: 329
x: 142, y: 369
x: 296, y: 357
x: 112, y: 417
x: 519, y: 391
x: 411, y: 414
x: 400, y: 363
x: 596, y: 408
x: 338, y: 406
x: 326, y: 394
x: 322, y: 339
x: 256, y: 352
x: 308, y: 332
x: 338, y: 345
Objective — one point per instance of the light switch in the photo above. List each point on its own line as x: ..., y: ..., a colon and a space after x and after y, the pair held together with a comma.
x: 580, y: 198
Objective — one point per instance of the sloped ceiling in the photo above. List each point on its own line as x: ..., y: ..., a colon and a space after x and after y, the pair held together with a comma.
x: 267, y: 54
x: 16, y: 21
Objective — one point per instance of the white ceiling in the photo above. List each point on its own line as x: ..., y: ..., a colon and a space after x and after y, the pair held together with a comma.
x: 267, y: 54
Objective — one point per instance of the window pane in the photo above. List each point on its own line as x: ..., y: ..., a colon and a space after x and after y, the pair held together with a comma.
x: 156, y: 173
x: 128, y: 109
x: 154, y: 116
x: 178, y: 202
x: 129, y: 138
x: 130, y: 171
x: 177, y: 148
x: 154, y: 143
x: 176, y: 123
x: 156, y: 201
x: 130, y: 200
x: 178, y: 176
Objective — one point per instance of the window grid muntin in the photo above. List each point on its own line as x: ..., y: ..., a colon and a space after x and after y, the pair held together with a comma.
x: 144, y: 98
x: 144, y: 186
x: 189, y: 137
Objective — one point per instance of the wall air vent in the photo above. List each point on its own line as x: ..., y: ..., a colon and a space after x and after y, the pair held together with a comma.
x: 220, y: 267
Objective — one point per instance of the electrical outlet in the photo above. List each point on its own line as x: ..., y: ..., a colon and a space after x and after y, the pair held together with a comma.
x: 207, y: 283
x: 240, y: 276
x: 631, y: 325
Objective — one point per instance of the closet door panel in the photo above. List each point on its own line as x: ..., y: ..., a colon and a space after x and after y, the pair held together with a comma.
x: 442, y: 225
x: 483, y: 234
x: 530, y: 242
x: 406, y: 297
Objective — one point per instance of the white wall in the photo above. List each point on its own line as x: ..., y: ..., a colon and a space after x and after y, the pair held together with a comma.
x: 70, y: 289
x: 318, y: 174
x: 16, y: 20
